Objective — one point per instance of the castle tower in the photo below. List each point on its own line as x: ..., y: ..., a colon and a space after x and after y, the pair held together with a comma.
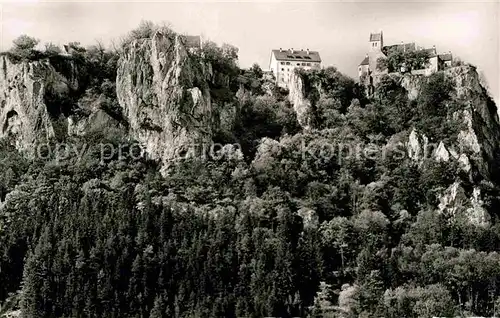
x: 376, y: 42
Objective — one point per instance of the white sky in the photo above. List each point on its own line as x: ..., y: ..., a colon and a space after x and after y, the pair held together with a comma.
x: 338, y: 30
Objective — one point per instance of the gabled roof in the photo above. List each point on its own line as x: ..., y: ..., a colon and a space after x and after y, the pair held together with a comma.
x: 431, y: 52
x: 297, y: 55
x: 192, y: 41
x: 445, y: 57
x: 375, y: 36
x: 366, y: 61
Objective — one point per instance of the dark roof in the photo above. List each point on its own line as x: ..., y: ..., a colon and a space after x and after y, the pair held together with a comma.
x: 192, y: 40
x: 297, y: 55
x: 366, y: 61
x: 375, y: 36
x: 446, y: 57
x: 431, y: 52
x: 399, y: 47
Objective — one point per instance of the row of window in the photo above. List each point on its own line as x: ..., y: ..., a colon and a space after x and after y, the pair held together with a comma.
x: 298, y: 64
x: 298, y: 57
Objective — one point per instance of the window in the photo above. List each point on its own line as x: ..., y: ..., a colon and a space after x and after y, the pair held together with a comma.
x: 307, y: 57
x: 282, y: 63
x: 375, y: 43
x: 282, y: 69
x: 303, y: 64
x: 290, y: 56
x: 287, y: 63
x: 308, y: 64
x: 282, y: 79
x: 298, y: 64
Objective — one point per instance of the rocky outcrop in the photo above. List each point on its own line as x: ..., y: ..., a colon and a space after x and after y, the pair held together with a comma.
x: 417, y: 146
x: 267, y: 149
x: 297, y: 96
x: 454, y: 201
x: 96, y: 121
x: 164, y: 94
x: 25, y: 114
x: 479, y: 137
x: 441, y: 153
x: 94, y: 118
x: 475, y: 147
x: 412, y: 84
x: 310, y: 218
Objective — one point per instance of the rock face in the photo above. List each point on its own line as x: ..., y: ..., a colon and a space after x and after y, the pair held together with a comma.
x: 309, y: 217
x: 477, y: 143
x: 417, y: 146
x: 91, y: 117
x: 454, y: 198
x: 164, y: 95
x: 297, y: 96
x: 96, y: 121
x: 479, y: 138
x: 25, y: 115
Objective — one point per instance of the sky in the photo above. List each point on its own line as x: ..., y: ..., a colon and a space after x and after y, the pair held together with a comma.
x: 339, y: 30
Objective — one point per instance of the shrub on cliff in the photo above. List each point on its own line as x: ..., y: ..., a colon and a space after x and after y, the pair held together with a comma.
x: 263, y: 116
x: 435, y: 105
x: 24, y: 49
x: 412, y: 59
x: 224, y: 61
x: 252, y: 79
x: 51, y: 49
x: 395, y: 104
x: 24, y: 45
x: 145, y: 30
x: 330, y: 83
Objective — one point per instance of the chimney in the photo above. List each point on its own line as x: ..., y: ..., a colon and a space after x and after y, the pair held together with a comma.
x: 281, y: 50
x: 307, y: 51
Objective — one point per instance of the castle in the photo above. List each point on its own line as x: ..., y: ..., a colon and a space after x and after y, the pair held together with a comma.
x: 283, y: 62
x: 369, y: 73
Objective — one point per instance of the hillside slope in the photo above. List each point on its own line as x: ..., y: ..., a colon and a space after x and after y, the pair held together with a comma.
x: 318, y: 201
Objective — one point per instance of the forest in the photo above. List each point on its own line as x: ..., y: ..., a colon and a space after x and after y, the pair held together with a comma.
x: 276, y: 231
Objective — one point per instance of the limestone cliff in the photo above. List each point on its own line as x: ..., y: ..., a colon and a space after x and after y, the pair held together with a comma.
x: 41, y: 99
x: 478, y: 140
x: 25, y: 114
x: 297, y: 97
x: 165, y: 97
x: 477, y: 143
x: 481, y: 133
